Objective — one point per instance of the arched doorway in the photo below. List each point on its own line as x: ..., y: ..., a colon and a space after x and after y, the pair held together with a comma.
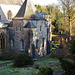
x: 33, y: 50
x: 2, y: 41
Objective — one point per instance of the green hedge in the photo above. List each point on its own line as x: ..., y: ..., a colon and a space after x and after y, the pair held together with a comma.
x: 22, y: 60
x: 45, y: 70
x: 68, y: 67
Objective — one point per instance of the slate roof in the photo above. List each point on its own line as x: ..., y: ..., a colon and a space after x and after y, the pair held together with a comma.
x: 41, y: 13
x: 5, y: 21
x: 11, y: 2
x: 29, y: 24
x: 45, y: 24
x: 28, y: 11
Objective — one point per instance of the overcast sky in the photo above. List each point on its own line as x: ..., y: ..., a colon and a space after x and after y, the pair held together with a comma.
x: 44, y: 2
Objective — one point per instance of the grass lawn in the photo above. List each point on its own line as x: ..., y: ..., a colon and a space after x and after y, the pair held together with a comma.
x: 9, y: 70
x: 51, y: 62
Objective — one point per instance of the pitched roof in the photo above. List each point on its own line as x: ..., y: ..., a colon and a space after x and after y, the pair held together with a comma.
x: 28, y: 11
x: 41, y: 13
x: 29, y: 24
x: 5, y: 21
x: 45, y: 24
x: 11, y: 2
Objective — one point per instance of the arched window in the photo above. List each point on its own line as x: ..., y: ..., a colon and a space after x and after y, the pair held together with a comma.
x: 2, y: 41
x: 16, y: 28
x: 0, y: 17
x: 22, y: 44
x: 43, y: 42
x: 40, y: 28
x: 20, y: 28
x: 9, y: 15
x: 37, y: 44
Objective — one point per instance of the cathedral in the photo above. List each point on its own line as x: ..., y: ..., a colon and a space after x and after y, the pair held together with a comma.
x: 22, y: 28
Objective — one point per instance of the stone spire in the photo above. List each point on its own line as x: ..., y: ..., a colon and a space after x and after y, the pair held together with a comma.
x: 28, y: 11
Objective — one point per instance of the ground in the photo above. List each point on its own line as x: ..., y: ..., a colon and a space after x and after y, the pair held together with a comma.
x: 51, y: 62
x: 7, y: 69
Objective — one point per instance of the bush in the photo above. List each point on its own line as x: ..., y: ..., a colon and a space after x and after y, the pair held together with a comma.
x: 6, y: 56
x: 68, y: 67
x: 72, y: 47
x: 37, y: 66
x: 22, y: 60
x: 45, y: 70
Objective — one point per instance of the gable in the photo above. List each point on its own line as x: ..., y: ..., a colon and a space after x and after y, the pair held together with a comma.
x: 5, y: 8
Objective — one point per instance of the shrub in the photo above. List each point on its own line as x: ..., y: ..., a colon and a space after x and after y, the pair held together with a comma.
x: 68, y: 67
x: 73, y: 50
x: 45, y: 70
x: 22, y: 60
x: 7, y: 56
x: 72, y: 47
x: 37, y: 66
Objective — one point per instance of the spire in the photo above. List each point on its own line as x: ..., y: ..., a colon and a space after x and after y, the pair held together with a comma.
x: 28, y: 11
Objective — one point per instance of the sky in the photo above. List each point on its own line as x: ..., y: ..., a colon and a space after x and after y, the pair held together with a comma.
x: 44, y: 2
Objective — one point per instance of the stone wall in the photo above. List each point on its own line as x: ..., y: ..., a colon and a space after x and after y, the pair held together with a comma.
x: 40, y: 35
x: 19, y: 33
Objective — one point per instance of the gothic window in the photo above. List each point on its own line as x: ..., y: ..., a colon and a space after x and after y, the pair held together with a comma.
x: 22, y: 44
x: 9, y: 15
x: 12, y: 43
x: 43, y: 42
x: 47, y: 33
x: 40, y: 28
x: 16, y: 28
x: 37, y: 44
x: 36, y: 23
x: 2, y: 41
x: 20, y: 28
x: 0, y: 17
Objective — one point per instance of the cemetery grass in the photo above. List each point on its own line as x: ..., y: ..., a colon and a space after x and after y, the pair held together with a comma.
x: 10, y: 70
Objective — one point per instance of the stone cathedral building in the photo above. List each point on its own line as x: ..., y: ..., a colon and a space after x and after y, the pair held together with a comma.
x: 22, y: 29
